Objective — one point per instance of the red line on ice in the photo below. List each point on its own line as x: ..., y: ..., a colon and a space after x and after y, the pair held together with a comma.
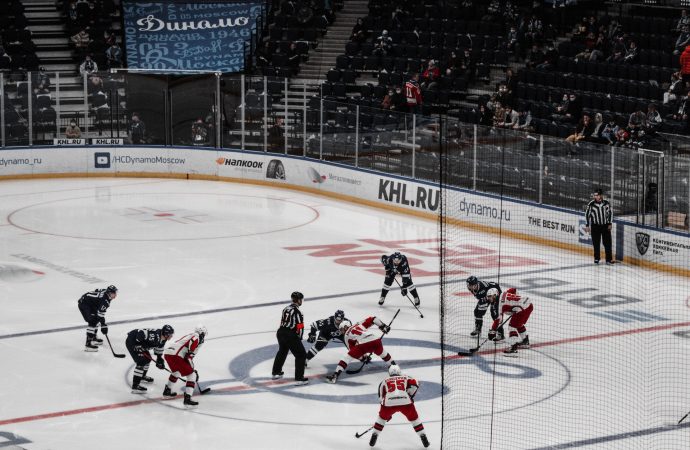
x: 280, y: 382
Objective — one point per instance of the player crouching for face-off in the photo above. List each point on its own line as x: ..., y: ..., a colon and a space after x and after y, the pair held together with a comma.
x: 138, y: 343
x: 396, y: 394
x: 519, y: 309
x: 93, y: 306
x: 360, y: 341
x: 179, y: 357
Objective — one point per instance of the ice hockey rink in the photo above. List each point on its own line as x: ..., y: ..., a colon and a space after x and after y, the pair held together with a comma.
x: 228, y: 255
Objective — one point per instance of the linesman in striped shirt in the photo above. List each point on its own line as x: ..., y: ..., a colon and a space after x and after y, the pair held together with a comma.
x: 598, y: 218
x: 289, y: 337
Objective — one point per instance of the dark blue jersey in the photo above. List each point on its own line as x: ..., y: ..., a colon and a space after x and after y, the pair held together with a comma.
x: 403, y: 268
x: 97, y: 301
x: 148, y: 338
x: 327, y: 329
x: 480, y: 295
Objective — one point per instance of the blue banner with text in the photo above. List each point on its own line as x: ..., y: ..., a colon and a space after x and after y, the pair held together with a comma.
x: 191, y: 35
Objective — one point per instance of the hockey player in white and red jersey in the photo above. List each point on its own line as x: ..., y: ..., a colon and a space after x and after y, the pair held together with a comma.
x: 396, y: 394
x: 519, y: 309
x: 179, y: 357
x: 361, y: 340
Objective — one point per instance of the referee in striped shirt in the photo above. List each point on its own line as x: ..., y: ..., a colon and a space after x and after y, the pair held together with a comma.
x: 290, y: 338
x: 599, y: 217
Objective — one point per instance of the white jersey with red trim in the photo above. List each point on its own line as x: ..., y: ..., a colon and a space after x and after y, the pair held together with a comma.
x: 398, y: 390
x: 186, y: 347
x: 361, y: 332
x: 511, y: 303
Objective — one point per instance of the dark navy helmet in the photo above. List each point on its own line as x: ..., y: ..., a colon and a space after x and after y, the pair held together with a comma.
x: 397, y: 255
x: 111, y: 288
x: 167, y: 330
x: 472, y: 280
x: 339, y: 316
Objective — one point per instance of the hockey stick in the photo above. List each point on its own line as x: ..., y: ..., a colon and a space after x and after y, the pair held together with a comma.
x: 368, y: 360
x: 117, y: 355
x: 359, y: 435
x: 201, y: 391
x: 688, y: 414
x: 472, y: 351
x: 421, y: 316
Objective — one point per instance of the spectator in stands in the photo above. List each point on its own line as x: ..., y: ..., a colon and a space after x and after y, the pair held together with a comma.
x: 584, y: 128
x: 430, y: 75
x: 40, y: 77
x: 399, y: 102
x: 550, y: 57
x: 535, y: 57
x: 359, y: 34
x: 387, y: 101
x: 114, y: 56
x: 560, y: 108
x: 276, y: 134
x: 610, y: 130
x: 383, y: 44
x: 485, y: 116
x: 683, y: 21
x: 137, y: 130
x: 637, y: 121
x: 653, y: 121
x: 631, y: 54
x: 72, y: 131
x: 675, y: 89
x: 413, y: 94
x: 5, y: 59
x: 685, y: 64
x: 683, y: 111
x: 109, y: 38
x: 510, y: 118
x: 683, y: 40
x: 88, y: 67
x: 264, y: 54
x: 524, y: 122
x: 595, y: 135
x: 199, y: 132
x: 618, y: 51
x: 468, y: 64
x: 510, y: 81
x: 513, y: 41
x: 622, y: 137
x: 503, y: 95
x: 72, y: 15
x: 81, y: 40
x: 294, y: 57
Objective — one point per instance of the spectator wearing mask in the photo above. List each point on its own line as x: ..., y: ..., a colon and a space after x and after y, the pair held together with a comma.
x: 609, y: 132
x: 637, y: 121
x: 510, y: 118
x: 399, y: 102
x: 524, y: 122
x: 199, y: 132
x: 81, y: 40
x: 72, y: 131
x: 88, y: 67
x: 136, y: 130
x: 383, y: 44
x: 595, y: 134
x: 387, y: 101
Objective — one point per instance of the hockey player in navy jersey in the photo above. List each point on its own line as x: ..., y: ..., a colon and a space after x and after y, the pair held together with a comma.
x: 93, y: 306
x: 322, y: 331
x: 479, y: 288
x: 138, y: 343
x: 397, y: 264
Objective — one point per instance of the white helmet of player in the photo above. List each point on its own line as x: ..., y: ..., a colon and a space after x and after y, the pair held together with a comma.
x: 492, y: 294
x: 344, y: 326
x: 201, y: 331
x: 394, y: 370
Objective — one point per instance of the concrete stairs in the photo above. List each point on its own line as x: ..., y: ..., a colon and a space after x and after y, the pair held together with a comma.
x: 322, y: 59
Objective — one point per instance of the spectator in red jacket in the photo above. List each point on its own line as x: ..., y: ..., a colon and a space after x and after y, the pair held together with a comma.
x: 685, y: 64
x: 430, y: 75
x: 413, y: 94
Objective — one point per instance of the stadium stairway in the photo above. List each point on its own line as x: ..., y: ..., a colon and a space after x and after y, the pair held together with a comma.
x: 333, y: 43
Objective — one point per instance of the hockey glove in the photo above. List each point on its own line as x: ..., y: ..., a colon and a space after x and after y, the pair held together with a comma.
x: 385, y: 328
x: 160, y: 363
x: 384, y: 259
x: 311, y: 338
x: 492, y: 335
x: 140, y: 349
x: 403, y: 291
x: 104, y: 328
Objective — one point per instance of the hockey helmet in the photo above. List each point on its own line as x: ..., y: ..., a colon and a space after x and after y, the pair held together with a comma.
x: 397, y: 255
x: 297, y: 295
x: 471, y: 282
x: 394, y: 370
x: 167, y: 330
x: 339, y: 316
x: 344, y: 326
x: 492, y: 293
x: 111, y: 288
x: 202, y: 332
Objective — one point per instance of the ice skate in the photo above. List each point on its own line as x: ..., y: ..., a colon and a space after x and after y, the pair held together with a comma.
x: 524, y: 344
x: 333, y: 378
x: 381, y: 300
x: 136, y: 389
x: 372, y: 439
x: 425, y: 441
x: 90, y: 347
x: 167, y: 393
x: 511, y: 351
x: 189, y: 402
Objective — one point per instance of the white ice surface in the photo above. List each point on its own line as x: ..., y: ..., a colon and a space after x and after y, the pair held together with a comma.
x: 177, y: 248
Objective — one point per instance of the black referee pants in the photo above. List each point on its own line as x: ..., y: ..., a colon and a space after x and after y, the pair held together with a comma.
x: 289, y: 340
x: 601, y: 233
